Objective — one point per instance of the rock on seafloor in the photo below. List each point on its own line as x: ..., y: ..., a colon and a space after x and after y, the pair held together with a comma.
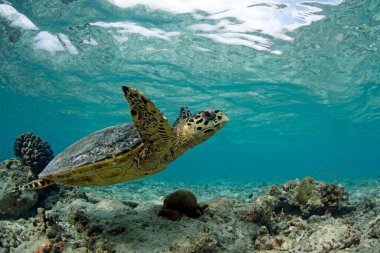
x: 293, y: 217
x: 33, y: 155
x: 15, y: 203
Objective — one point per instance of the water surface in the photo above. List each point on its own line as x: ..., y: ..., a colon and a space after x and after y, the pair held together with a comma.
x: 298, y: 79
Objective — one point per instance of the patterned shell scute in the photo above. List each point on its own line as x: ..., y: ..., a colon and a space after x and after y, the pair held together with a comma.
x: 101, y: 145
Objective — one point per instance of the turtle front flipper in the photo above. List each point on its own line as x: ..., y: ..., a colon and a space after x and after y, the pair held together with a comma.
x: 154, y: 129
x: 36, y: 184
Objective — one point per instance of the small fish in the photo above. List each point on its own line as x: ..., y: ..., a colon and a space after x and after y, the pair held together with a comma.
x: 331, y: 174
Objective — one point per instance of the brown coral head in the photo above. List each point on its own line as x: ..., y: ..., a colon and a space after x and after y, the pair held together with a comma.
x: 202, y: 207
x: 273, y: 188
x: 170, y: 214
x: 182, y: 201
x: 308, y: 180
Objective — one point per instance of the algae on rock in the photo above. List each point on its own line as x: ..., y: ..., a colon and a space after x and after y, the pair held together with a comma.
x: 304, y: 191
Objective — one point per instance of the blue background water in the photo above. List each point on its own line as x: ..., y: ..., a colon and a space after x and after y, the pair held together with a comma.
x: 299, y: 81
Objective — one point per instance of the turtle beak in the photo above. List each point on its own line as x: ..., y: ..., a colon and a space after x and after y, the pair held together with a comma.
x: 225, y: 119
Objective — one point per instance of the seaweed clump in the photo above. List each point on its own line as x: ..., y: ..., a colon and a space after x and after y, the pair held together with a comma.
x: 181, y: 202
x: 33, y: 152
x: 305, y: 190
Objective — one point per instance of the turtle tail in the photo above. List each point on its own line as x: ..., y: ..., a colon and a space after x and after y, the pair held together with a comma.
x: 36, y: 184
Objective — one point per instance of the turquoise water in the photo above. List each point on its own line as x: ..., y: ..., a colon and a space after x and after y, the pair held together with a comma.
x: 299, y: 80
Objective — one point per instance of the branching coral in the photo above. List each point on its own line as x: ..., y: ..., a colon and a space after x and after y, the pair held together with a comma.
x: 33, y: 151
x: 333, y: 194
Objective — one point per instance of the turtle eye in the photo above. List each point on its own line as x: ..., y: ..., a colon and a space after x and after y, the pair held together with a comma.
x: 209, y: 115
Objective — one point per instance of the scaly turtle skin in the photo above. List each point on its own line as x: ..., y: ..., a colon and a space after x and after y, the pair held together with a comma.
x: 126, y: 152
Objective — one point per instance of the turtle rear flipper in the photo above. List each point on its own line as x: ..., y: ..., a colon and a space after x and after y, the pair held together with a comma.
x: 36, y: 184
x: 154, y: 129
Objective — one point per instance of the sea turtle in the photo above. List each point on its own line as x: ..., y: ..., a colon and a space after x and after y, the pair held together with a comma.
x: 130, y: 151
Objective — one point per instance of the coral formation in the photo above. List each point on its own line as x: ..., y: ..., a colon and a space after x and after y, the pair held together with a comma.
x: 332, y: 195
x: 120, y: 219
x: 262, y: 209
x: 44, y: 248
x: 309, y: 197
x: 304, y: 190
x: 266, y: 242
x: 181, y: 202
x: 295, y: 198
x: 14, y: 203
x: 263, y: 241
x: 46, y: 226
x: 33, y: 152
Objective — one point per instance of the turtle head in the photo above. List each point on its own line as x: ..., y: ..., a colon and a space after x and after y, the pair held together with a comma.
x: 203, y: 125
x: 192, y: 130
